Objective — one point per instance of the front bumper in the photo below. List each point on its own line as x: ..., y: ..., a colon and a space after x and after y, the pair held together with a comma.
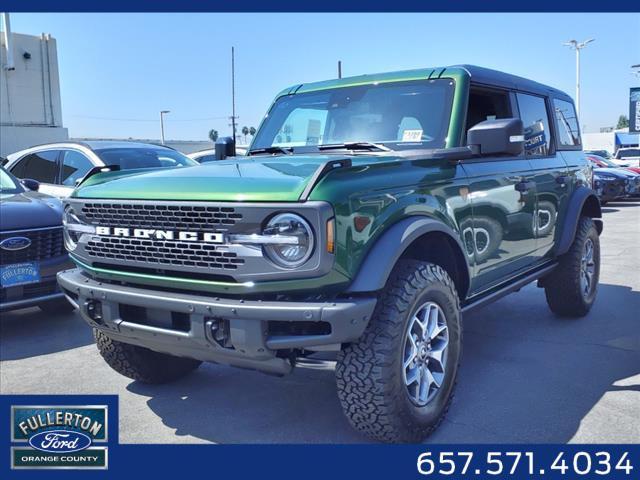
x: 190, y: 325
x: 24, y: 296
x: 610, y: 190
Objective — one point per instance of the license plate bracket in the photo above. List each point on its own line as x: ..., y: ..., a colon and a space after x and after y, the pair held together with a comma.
x: 19, y: 274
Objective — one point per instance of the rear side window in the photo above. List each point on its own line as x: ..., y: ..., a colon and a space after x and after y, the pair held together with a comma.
x: 74, y: 167
x: 537, y: 135
x: 41, y: 166
x: 567, y: 122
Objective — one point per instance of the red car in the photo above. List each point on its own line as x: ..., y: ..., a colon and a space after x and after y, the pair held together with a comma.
x: 605, y: 163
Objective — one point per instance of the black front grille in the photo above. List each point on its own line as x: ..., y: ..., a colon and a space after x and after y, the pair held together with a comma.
x: 165, y: 216
x: 163, y: 253
x: 46, y: 243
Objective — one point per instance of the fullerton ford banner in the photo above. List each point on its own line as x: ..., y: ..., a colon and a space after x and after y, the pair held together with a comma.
x: 634, y: 110
x: 59, y: 436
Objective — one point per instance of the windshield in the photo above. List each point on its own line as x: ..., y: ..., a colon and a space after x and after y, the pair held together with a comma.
x: 629, y: 152
x: 608, y: 162
x: 130, y: 158
x: 398, y: 115
x: 599, y: 153
x: 8, y: 184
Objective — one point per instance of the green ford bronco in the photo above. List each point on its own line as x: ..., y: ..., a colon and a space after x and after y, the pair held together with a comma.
x: 370, y: 213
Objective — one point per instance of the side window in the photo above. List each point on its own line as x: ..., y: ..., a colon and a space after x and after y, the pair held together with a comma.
x: 567, y: 124
x: 487, y: 105
x: 41, y: 166
x: 537, y: 135
x: 74, y: 166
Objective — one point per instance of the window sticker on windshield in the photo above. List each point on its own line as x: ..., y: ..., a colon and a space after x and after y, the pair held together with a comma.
x: 411, y: 135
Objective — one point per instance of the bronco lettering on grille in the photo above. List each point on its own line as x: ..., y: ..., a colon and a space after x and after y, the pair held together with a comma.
x: 149, y: 233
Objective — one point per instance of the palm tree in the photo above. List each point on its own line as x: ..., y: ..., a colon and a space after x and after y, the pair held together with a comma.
x: 213, y: 135
x: 252, y: 131
x: 245, y: 132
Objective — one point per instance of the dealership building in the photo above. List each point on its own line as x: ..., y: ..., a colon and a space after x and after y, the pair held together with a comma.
x: 30, y: 105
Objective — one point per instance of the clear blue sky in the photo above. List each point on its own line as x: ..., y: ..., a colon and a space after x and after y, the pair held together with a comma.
x: 124, y: 68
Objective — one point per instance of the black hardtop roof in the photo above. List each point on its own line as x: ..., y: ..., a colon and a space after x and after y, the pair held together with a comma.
x: 489, y: 77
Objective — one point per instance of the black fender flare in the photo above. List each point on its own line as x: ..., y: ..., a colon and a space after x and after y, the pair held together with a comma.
x: 382, y: 257
x: 581, y: 196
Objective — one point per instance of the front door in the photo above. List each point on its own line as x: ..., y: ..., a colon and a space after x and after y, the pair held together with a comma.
x: 503, y: 200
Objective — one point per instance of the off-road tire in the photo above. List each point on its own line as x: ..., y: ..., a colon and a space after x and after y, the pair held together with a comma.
x: 562, y: 287
x: 59, y: 305
x: 369, y: 375
x: 140, y: 363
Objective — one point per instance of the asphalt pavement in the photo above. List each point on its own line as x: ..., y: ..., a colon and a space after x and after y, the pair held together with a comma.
x: 526, y: 376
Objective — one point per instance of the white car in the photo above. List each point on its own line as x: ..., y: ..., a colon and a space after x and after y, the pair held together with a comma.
x: 59, y: 166
x: 627, y: 157
x: 209, y: 155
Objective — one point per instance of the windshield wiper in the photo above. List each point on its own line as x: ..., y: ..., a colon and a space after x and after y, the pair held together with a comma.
x: 286, y: 151
x: 355, y: 146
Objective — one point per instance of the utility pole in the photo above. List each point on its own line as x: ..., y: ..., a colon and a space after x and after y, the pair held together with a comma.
x: 339, y: 68
x: 162, y: 114
x: 233, y: 94
x: 577, y: 46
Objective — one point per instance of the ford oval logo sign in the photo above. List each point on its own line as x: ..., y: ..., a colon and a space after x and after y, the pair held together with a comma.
x: 15, y: 243
x: 60, y: 441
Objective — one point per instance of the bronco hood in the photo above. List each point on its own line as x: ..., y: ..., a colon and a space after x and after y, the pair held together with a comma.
x: 258, y: 178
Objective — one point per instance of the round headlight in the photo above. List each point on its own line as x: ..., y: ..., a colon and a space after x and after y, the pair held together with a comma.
x: 71, y: 235
x: 296, y: 240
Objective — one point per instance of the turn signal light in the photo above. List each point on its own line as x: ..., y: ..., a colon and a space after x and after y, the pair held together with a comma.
x: 331, y: 235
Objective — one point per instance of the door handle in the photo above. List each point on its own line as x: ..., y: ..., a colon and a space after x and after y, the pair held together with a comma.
x: 562, y: 180
x: 524, y: 187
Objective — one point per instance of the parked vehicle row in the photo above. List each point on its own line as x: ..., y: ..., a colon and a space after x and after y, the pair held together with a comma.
x: 613, y: 182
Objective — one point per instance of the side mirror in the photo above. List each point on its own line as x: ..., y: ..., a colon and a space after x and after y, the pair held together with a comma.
x: 504, y: 136
x: 225, y: 147
x: 31, y: 184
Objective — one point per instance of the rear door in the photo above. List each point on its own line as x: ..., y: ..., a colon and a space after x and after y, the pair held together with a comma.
x: 548, y: 168
x: 569, y: 147
x: 502, y: 193
x: 41, y: 166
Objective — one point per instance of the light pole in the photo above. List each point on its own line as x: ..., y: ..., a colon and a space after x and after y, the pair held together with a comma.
x: 162, y: 113
x: 635, y: 70
x: 577, y: 46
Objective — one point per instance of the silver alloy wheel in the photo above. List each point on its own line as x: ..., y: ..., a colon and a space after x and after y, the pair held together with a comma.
x: 587, y: 268
x: 425, y: 349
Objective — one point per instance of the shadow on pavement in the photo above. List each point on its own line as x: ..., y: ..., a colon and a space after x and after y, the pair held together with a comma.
x: 31, y: 332
x: 527, y: 376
